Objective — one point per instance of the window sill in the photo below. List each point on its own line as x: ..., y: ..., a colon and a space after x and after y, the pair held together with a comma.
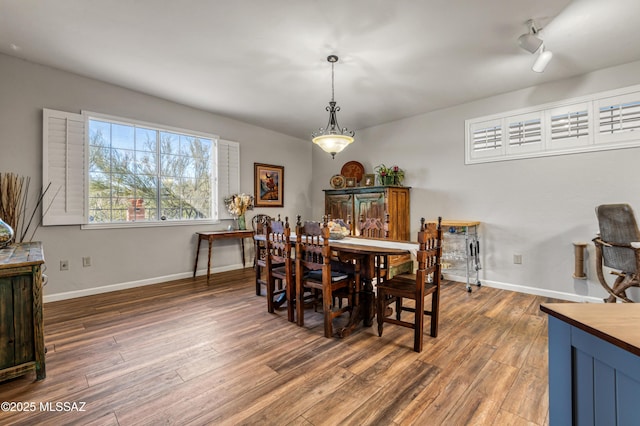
x: 146, y: 224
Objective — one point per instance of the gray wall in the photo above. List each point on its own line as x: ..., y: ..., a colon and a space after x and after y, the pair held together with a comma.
x: 129, y: 257
x: 535, y: 207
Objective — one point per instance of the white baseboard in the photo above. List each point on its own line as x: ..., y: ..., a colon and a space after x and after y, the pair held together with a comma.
x: 156, y: 280
x: 571, y: 297
x: 132, y: 284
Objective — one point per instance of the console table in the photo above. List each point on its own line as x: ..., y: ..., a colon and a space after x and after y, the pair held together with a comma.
x: 594, y: 363
x: 210, y: 236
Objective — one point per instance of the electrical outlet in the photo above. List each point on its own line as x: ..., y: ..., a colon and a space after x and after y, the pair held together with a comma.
x: 64, y: 265
x: 517, y: 259
x: 86, y: 261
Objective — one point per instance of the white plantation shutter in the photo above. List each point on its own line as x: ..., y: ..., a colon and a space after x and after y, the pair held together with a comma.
x: 525, y: 133
x: 228, y: 174
x: 618, y: 118
x: 568, y: 126
x: 64, y: 167
x: 485, y: 139
x: 603, y: 121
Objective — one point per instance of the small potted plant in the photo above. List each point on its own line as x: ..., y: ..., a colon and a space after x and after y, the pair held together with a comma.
x: 393, y: 175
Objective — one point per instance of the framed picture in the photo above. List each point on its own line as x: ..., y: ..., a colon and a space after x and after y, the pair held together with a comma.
x: 268, y: 185
x: 350, y: 182
x: 368, y: 180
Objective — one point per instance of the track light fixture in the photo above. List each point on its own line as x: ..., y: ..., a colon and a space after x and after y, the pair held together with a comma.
x: 532, y: 44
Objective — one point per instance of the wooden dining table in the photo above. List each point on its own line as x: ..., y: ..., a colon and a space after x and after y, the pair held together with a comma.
x: 371, y: 254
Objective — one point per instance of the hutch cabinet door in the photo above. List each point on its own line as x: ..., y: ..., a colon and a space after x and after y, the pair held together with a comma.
x: 368, y: 205
x: 339, y: 206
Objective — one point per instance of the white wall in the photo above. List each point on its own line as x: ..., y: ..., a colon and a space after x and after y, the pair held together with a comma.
x: 534, y: 207
x: 129, y: 257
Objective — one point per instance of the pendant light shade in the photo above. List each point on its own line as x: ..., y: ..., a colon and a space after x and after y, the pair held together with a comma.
x: 332, y: 139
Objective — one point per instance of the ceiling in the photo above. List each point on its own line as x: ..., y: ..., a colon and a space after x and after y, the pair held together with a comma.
x: 264, y: 62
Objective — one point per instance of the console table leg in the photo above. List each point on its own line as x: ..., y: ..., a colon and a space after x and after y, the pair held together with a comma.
x: 209, y: 260
x: 195, y: 266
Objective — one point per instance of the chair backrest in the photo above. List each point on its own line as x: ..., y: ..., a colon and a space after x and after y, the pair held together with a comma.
x: 618, y: 225
x: 429, y: 252
x: 312, y: 244
x: 278, y: 242
x: 258, y: 223
x: 374, y: 227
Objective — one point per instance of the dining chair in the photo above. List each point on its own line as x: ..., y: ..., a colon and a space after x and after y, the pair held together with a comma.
x: 317, y: 270
x: 426, y: 281
x: 258, y: 225
x: 374, y: 227
x: 279, y: 266
x: 618, y: 248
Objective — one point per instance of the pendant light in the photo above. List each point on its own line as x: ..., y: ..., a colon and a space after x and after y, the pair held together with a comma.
x: 333, y: 139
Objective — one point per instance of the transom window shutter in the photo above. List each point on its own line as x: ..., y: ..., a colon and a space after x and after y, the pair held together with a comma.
x: 618, y: 118
x: 485, y: 139
x: 228, y: 174
x: 64, y: 167
x: 525, y: 133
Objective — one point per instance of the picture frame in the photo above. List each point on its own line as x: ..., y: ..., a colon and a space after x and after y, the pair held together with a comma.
x: 268, y: 185
x: 368, y: 180
x: 350, y: 182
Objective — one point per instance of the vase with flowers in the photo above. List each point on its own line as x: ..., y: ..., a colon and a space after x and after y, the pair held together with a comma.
x: 393, y: 175
x: 237, y: 205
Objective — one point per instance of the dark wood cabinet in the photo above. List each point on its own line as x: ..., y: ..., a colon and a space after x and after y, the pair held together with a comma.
x: 21, y: 326
x: 374, y: 202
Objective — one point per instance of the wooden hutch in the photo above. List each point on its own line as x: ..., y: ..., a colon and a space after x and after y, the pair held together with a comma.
x: 375, y: 202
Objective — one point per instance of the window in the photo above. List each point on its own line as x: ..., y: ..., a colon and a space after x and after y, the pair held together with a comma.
x: 608, y: 120
x: 134, y: 173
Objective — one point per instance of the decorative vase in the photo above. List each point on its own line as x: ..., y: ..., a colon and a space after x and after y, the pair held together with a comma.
x: 242, y: 224
x: 388, y: 180
x: 6, y: 234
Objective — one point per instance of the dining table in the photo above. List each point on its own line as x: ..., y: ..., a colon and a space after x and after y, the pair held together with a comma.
x: 372, y: 254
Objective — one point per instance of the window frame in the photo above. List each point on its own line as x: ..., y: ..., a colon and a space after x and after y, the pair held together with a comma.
x: 594, y: 140
x: 225, y: 178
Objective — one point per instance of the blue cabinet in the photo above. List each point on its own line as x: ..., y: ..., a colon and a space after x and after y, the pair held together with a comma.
x: 594, y: 364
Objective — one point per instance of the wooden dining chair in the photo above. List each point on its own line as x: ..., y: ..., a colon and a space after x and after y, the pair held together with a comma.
x: 279, y: 266
x: 426, y: 281
x: 258, y: 225
x: 374, y: 227
x: 317, y: 271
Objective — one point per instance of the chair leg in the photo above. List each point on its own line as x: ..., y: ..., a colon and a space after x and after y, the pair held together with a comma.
x: 435, y: 308
x: 258, y: 278
x: 290, y: 292
x: 380, y: 308
x: 327, y: 299
x: 270, y: 290
x: 299, y: 304
x: 398, y: 307
x: 418, y: 325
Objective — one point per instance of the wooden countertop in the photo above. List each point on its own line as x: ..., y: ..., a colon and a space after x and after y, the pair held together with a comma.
x: 616, y: 323
x: 21, y: 254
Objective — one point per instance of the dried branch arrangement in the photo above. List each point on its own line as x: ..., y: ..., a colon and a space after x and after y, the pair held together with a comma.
x: 14, y: 197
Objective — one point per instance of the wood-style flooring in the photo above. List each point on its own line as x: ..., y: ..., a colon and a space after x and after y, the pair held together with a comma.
x: 184, y: 352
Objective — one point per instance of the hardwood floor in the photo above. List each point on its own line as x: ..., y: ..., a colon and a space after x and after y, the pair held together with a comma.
x: 185, y: 352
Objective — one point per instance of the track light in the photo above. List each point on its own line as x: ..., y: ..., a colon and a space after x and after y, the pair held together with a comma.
x: 532, y: 44
x: 542, y: 60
